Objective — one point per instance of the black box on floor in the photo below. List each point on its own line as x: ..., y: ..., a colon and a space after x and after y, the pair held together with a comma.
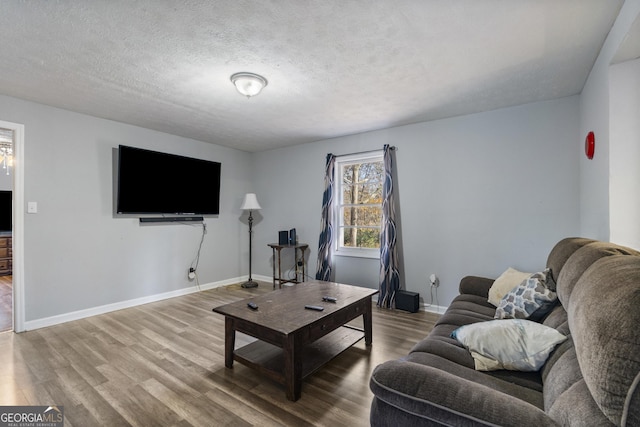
x: 408, y: 301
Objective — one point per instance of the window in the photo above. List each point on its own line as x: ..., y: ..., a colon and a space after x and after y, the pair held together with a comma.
x: 358, y: 207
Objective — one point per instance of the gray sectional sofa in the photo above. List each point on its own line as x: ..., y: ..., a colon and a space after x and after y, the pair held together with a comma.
x: 590, y: 379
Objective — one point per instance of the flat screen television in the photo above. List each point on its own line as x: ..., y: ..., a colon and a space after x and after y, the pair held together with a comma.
x: 6, y: 211
x: 150, y: 182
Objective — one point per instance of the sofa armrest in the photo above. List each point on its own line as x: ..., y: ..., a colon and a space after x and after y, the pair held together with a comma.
x: 475, y: 285
x: 437, y: 396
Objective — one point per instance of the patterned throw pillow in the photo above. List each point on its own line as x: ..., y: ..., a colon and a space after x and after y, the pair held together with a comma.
x: 531, y: 299
x: 505, y: 283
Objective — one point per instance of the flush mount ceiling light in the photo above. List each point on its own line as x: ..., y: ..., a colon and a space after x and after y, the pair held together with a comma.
x: 248, y: 84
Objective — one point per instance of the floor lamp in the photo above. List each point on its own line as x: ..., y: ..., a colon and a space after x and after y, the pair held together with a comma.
x: 250, y: 204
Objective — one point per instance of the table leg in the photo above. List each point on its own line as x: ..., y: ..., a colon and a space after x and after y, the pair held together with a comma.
x: 295, y: 262
x: 229, y: 342
x: 279, y: 271
x: 367, y: 321
x: 302, y: 259
x: 273, y: 251
x: 293, y: 367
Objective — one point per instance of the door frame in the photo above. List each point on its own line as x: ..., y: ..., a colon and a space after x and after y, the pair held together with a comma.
x: 18, y: 224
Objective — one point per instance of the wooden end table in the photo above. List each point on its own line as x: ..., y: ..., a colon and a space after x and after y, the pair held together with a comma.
x: 293, y: 342
x: 276, y: 247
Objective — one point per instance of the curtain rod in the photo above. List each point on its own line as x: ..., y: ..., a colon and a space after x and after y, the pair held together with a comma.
x: 392, y: 147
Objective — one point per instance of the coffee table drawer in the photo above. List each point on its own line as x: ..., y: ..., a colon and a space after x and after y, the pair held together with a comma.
x: 335, y: 320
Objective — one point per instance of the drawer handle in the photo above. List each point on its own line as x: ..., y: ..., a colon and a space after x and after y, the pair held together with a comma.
x: 323, y: 327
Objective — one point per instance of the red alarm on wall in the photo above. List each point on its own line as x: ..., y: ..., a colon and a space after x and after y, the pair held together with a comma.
x: 590, y: 145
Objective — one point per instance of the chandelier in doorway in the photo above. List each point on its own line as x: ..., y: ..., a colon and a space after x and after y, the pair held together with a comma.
x: 6, y: 149
x: 6, y: 155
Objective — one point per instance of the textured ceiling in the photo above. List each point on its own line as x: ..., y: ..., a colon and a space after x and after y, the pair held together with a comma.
x: 335, y: 67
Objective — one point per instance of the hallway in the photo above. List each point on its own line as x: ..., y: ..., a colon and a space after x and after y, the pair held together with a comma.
x: 6, y: 305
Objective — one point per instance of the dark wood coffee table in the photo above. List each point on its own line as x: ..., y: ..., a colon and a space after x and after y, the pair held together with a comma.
x: 293, y: 342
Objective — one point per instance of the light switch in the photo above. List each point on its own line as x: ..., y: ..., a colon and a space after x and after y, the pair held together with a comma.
x: 32, y: 207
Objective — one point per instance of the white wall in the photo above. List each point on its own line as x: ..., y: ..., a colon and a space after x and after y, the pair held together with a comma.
x: 77, y: 254
x: 624, y: 197
x: 594, y: 116
x: 477, y: 194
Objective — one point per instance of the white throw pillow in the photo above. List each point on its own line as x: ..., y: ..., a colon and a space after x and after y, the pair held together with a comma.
x: 513, y: 344
x: 503, y: 284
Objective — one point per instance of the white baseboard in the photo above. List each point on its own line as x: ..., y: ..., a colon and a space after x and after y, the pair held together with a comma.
x: 94, y: 311
x: 438, y: 309
x: 260, y: 278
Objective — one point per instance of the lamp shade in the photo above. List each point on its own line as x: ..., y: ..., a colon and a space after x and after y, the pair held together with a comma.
x: 250, y: 202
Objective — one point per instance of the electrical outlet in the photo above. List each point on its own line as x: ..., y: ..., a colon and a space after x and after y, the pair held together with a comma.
x: 434, y: 280
x: 192, y: 273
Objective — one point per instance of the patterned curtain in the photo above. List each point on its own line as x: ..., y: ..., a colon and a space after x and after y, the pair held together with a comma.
x: 389, y: 275
x: 323, y: 270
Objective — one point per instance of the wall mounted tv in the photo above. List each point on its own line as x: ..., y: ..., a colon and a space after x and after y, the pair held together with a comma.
x: 150, y: 182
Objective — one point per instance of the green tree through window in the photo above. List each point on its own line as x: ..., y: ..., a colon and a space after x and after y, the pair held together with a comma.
x: 359, y: 207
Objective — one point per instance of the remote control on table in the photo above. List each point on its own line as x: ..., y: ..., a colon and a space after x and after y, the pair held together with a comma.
x: 252, y: 306
x: 329, y: 299
x: 314, y: 307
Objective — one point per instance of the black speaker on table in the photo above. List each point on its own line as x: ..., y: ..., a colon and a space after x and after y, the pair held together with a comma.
x: 292, y: 237
x: 283, y: 237
x: 408, y: 301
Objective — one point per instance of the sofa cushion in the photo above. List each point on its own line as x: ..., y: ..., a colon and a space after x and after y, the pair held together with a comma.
x: 558, y: 320
x: 560, y: 373
x: 532, y: 299
x: 576, y: 408
x: 444, y: 347
x: 466, y: 309
x: 439, y: 343
x: 475, y: 285
x: 434, y: 391
x: 604, y: 318
x: 561, y: 253
x: 578, y: 263
x: 514, y: 344
x: 504, y: 283
x: 524, y: 385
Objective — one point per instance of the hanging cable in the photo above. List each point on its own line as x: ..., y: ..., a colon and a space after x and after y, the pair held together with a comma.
x: 194, y: 264
x: 433, y: 285
x: 197, y: 258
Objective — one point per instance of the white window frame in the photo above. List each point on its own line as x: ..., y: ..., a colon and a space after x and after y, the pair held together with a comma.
x: 340, y: 163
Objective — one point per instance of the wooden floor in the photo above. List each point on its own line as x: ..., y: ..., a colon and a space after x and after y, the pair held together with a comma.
x: 6, y: 303
x: 162, y: 364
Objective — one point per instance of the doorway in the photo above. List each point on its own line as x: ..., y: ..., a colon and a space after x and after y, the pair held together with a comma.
x: 6, y: 229
x: 11, y: 226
